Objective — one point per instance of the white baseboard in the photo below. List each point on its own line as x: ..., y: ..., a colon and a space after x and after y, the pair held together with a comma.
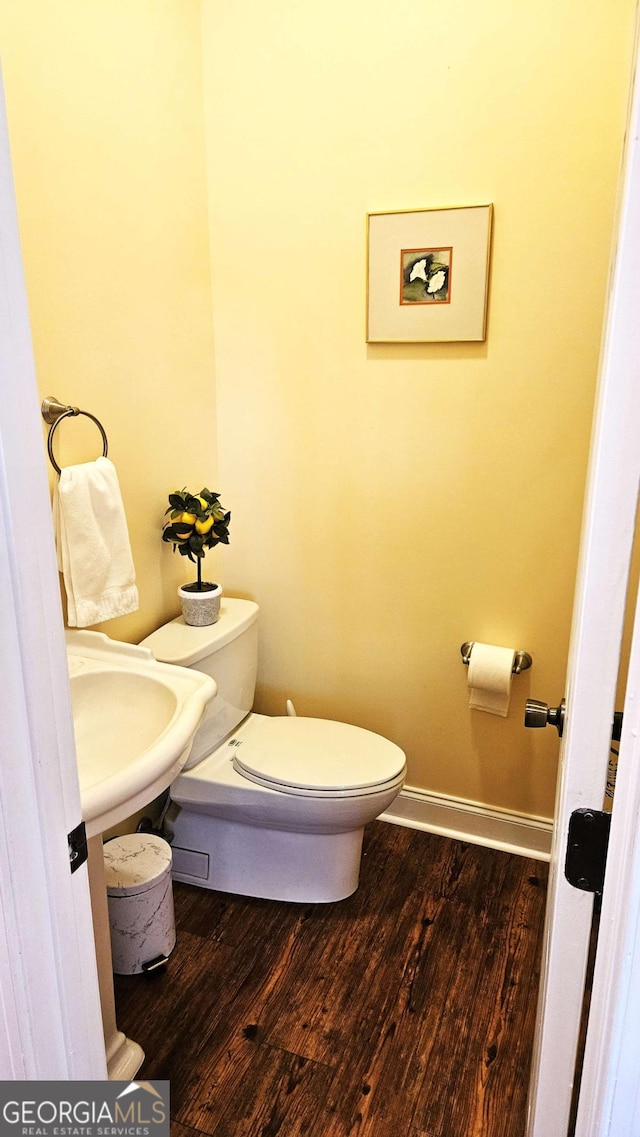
x: 470, y: 821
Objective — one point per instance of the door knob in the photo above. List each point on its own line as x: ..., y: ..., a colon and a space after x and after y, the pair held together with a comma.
x: 538, y: 714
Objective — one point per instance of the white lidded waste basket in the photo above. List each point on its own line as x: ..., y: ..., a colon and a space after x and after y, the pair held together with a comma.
x: 137, y: 871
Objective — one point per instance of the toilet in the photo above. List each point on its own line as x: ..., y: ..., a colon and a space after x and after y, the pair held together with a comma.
x: 272, y: 807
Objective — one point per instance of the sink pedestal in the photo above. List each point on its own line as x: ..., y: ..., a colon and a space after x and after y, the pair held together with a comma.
x: 134, y: 721
x: 124, y: 1057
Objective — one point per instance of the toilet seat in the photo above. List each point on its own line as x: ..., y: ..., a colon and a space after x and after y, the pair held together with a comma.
x: 309, y: 757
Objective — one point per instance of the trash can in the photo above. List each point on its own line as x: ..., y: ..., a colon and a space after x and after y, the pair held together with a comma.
x: 137, y: 871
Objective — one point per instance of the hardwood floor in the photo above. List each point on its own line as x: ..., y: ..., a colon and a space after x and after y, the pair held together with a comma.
x: 406, y: 1010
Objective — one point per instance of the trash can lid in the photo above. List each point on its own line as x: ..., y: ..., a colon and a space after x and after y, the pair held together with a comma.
x: 135, y: 863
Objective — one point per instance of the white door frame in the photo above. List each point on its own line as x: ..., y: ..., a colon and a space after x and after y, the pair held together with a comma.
x: 599, y: 609
x: 49, y: 995
x: 609, y: 1101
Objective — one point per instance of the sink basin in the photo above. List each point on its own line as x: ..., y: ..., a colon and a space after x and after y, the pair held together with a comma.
x: 134, y: 721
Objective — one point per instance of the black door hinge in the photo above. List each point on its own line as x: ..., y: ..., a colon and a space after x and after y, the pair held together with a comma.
x: 587, y: 849
x: 77, y: 840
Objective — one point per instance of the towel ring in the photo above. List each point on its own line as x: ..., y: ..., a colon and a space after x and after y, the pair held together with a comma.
x: 54, y: 412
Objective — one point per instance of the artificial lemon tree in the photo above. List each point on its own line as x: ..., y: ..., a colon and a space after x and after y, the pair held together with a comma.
x: 197, y: 523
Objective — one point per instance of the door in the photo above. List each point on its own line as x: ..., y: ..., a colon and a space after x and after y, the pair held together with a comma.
x: 606, y: 548
x: 49, y: 997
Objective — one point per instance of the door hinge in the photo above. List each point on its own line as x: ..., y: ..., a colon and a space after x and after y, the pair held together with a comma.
x: 77, y: 840
x: 587, y: 849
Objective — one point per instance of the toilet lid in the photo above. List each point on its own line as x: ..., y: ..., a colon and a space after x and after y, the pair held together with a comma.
x: 304, y: 755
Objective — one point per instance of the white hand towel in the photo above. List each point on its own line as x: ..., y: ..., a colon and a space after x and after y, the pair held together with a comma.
x: 94, y: 554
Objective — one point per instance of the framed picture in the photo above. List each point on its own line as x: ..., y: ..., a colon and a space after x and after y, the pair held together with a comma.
x: 427, y: 274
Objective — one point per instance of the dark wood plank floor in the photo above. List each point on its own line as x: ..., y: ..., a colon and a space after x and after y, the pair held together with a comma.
x: 405, y: 1011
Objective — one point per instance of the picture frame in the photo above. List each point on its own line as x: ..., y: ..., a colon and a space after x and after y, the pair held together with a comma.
x: 428, y: 274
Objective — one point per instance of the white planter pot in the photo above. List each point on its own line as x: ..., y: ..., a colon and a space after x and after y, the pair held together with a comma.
x: 200, y: 607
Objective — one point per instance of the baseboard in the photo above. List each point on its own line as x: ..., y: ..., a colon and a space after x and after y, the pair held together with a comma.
x: 470, y: 821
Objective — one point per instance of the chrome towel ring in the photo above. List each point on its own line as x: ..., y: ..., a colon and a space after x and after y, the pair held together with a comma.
x: 54, y: 412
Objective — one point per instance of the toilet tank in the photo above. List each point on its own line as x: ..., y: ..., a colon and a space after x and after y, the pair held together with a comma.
x: 228, y: 652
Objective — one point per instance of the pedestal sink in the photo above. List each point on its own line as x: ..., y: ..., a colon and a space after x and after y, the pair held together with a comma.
x: 134, y: 722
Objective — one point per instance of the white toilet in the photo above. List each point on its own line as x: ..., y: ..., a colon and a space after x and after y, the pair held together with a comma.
x: 269, y: 807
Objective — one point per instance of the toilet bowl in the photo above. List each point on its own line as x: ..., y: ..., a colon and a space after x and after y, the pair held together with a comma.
x: 272, y: 807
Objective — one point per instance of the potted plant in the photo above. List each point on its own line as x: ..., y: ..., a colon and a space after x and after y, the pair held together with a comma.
x: 197, y: 523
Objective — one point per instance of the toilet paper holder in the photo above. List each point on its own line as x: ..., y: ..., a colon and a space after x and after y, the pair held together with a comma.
x: 522, y: 661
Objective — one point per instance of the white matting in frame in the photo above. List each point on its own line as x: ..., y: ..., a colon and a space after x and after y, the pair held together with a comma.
x: 427, y: 274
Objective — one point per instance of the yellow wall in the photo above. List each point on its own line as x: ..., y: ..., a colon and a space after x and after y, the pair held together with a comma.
x: 390, y: 502
x: 106, y: 124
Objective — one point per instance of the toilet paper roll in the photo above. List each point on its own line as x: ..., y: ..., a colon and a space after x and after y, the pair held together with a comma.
x: 489, y: 678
